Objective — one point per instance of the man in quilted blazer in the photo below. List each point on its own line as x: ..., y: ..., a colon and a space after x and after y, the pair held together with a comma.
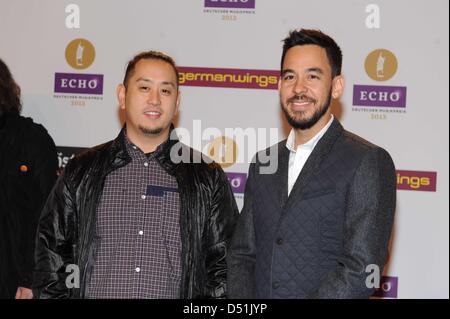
x: 319, y: 226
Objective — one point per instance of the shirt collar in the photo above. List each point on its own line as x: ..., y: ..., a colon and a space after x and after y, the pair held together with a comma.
x: 135, y: 152
x: 290, y: 143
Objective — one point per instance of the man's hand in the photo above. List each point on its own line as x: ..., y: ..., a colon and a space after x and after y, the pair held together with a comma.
x: 24, y: 293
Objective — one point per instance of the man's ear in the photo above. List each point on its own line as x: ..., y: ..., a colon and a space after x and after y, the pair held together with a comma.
x: 337, y: 86
x: 177, y: 107
x: 121, y: 92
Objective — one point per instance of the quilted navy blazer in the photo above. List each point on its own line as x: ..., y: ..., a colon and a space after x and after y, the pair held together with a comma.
x: 319, y: 241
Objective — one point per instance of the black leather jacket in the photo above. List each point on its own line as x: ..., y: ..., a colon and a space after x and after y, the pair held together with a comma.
x: 66, y: 229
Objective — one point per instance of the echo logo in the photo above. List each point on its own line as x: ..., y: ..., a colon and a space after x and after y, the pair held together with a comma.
x: 223, y: 150
x: 381, y: 65
x: 388, y: 288
x: 80, y: 54
x: 384, y: 96
x: 237, y: 182
x: 79, y: 83
x: 235, y: 4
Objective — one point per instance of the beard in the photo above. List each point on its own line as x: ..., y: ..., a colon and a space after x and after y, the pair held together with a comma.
x: 305, y: 123
x: 150, y: 131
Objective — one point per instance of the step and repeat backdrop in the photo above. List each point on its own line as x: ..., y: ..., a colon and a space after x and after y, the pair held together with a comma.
x: 69, y: 56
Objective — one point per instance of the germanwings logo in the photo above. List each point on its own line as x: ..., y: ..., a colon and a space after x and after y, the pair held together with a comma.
x: 229, y: 78
x: 416, y: 181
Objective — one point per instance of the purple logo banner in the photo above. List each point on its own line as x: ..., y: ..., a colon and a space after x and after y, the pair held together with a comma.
x: 229, y: 78
x: 388, y: 287
x: 416, y: 181
x: 79, y: 83
x: 239, y: 4
x: 379, y: 96
x: 237, y: 182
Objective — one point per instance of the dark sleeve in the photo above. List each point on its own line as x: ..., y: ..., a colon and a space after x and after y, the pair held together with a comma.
x: 370, y: 207
x: 242, y: 256
x: 43, y: 170
x: 222, y: 219
x: 54, y: 243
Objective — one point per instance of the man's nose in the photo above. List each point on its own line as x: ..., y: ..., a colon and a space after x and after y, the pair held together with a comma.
x: 300, y: 87
x: 154, y: 97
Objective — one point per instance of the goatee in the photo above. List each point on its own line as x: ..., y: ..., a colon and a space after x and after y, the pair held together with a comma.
x: 148, y: 131
x: 306, y: 123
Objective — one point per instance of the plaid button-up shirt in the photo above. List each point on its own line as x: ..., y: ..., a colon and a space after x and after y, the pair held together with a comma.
x: 138, y: 232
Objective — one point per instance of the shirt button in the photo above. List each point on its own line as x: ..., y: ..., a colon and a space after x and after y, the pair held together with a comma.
x: 280, y: 241
x: 275, y: 285
x: 141, y: 232
x: 138, y: 269
x: 145, y: 164
x: 143, y: 196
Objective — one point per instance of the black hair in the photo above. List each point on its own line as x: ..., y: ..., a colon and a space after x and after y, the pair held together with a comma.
x: 316, y: 37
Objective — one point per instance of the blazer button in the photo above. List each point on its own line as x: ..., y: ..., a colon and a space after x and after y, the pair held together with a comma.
x: 280, y: 241
x: 275, y: 285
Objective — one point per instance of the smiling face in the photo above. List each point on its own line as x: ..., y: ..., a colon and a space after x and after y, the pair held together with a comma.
x: 306, y: 86
x: 150, y: 99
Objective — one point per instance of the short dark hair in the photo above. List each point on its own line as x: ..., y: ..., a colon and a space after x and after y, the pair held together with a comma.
x: 316, y: 37
x: 149, y: 55
x: 9, y: 92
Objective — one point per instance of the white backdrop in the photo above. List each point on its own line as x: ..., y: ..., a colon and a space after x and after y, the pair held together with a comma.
x: 34, y: 37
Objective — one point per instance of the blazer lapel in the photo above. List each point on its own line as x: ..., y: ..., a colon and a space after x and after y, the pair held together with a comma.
x: 321, y: 150
x: 282, y: 176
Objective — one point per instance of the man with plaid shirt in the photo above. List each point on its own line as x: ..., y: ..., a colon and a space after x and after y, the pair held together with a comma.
x: 134, y: 221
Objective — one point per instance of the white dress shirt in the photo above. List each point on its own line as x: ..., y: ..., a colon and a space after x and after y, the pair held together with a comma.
x: 299, y: 156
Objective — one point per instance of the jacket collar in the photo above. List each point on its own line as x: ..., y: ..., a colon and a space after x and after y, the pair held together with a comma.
x: 319, y: 153
x: 120, y: 157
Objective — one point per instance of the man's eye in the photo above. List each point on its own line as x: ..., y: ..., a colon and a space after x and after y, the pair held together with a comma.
x: 313, y: 77
x: 166, y: 92
x: 288, y: 77
x: 144, y: 88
